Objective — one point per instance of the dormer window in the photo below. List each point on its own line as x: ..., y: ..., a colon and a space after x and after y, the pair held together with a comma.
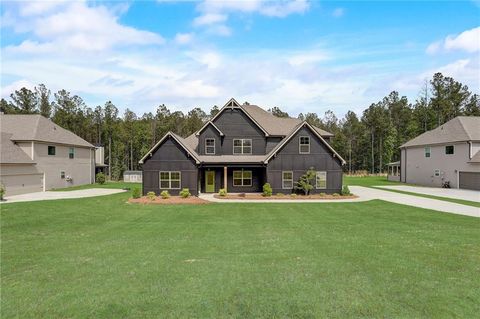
x: 304, y: 145
x: 210, y: 146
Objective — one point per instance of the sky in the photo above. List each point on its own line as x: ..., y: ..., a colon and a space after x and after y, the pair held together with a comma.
x: 299, y: 55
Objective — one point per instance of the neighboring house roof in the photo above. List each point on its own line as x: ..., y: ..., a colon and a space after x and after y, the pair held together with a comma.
x: 475, y: 159
x: 11, y: 153
x: 459, y: 129
x: 38, y: 128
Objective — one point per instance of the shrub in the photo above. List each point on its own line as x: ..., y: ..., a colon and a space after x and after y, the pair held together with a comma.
x: 293, y: 195
x: 185, y: 193
x: 2, y: 191
x: 242, y: 195
x: 151, y: 195
x: 267, y: 190
x: 345, y: 191
x: 323, y: 194
x: 100, y: 178
x: 335, y: 194
x: 136, y: 192
x: 165, y: 194
x: 280, y: 194
x: 222, y: 192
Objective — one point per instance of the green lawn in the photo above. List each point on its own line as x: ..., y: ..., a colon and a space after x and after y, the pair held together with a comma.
x: 368, y: 181
x: 118, y: 185
x: 103, y: 258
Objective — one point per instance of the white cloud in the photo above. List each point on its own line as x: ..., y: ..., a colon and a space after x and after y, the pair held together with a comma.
x: 183, y: 38
x: 468, y: 41
x: 209, y: 18
x: 14, y: 86
x: 338, y: 12
x: 307, y: 58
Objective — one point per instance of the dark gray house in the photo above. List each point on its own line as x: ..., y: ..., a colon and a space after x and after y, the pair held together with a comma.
x: 240, y: 149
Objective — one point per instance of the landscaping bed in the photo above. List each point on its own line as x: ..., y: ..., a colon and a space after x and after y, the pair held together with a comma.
x: 284, y: 197
x: 169, y: 201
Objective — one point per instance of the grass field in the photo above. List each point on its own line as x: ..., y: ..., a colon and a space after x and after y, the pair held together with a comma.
x: 103, y: 258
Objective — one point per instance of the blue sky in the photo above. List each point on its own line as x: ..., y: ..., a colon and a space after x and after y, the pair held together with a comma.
x: 300, y: 55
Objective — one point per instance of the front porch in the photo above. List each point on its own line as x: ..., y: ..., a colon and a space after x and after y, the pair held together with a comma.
x: 233, y: 178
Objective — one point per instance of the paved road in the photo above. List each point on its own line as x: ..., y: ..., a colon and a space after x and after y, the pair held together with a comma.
x: 464, y: 194
x: 416, y: 201
x: 61, y: 195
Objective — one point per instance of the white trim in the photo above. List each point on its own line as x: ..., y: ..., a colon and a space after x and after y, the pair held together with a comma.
x: 169, y: 134
x: 242, y: 178
x: 435, y: 172
x: 429, y: 152
x: 214, y: 150
x: 170, y: 180
x: 300, y: 144
x: 452, y: 145
x: 242, y: 146
x: 283, y: 180
x: 71, y: 147
x: 33, y: 152
x: 285, y: 140
x: 316, y: 179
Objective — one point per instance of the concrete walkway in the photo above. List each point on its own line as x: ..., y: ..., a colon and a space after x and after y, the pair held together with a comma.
x: 416, y: 201
x: 49, y: 195
x: 464, y: 194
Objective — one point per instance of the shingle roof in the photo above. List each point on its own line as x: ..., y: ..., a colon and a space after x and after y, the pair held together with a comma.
x: 459, y: 129
x: 38, y: 128
x: 11, y: 153
x: 476, y: 158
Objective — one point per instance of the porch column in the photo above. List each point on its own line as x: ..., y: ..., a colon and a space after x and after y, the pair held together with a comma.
x: 225, y: 178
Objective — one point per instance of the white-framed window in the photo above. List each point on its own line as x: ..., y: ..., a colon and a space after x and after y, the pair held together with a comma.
x: 287, y: 179
x: 304, y: 144
x: 170, y: 180
x: 450, y: 149
x: 210, y: 146
x: 427, y: 151
x: 321, y: 180
x: 71, y: 152
x: 242, y: 146
x: 62, y: 175
x: 242, y: 178
x: 436, y: 173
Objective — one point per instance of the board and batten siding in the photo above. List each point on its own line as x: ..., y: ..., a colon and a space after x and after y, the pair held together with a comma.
x: 209, y: 132
x: 290, y: 159
x: 169, y: 156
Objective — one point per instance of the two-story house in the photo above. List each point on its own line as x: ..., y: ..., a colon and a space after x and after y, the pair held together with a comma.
x: 449, y: 153
x: 240, y: 149
x: 38, y: 155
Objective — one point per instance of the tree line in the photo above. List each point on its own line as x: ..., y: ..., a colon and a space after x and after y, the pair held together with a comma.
x: 367, y: 141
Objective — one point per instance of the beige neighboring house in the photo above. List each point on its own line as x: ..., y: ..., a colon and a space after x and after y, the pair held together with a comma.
x: 38, y: 155
x: 449, y: 153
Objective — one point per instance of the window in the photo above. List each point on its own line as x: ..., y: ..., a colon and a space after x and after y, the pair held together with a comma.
x: 287, y: 179
x: 210, y: 146
x: 304, y: 145
x: 436, y: 173
x: 170, y: 180
x: 62, y: 175
x: 242, y: 178
x: 449, y: 149
x: 321, y: 180
x: 242, y: 146
x: 71, y: 152
x: 51, y: 150
x: 427, y: 151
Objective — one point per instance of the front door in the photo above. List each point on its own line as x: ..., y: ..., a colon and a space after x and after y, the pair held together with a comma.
x: 209, y: 181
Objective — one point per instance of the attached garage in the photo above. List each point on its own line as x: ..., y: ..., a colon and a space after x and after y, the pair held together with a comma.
x: 16, y: 184
x: 469, y: 180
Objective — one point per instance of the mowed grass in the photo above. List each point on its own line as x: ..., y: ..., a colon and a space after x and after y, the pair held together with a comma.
x: 109, y: 184
x: 103, y: 258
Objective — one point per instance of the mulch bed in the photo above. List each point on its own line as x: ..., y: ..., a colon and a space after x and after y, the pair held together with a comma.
x: 276, y: 197
x: 192, y: 200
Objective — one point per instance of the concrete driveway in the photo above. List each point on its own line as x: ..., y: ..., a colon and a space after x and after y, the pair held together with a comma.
x: 464, y: 194
x: 416, y: 201
x: 92, y: 192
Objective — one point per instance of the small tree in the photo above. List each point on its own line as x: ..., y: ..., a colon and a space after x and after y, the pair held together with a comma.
x: 345, y: 191
x: 100, y: 178
x: 305, y: 183
x: 136, y: 192
x: 267, y: 190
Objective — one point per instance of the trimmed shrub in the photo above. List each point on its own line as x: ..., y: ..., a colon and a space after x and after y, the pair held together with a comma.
x: 293, y: 195
x: 136, y: 192
x: 185, y: 193
x: 100, y: 178
x: 2, y: 191
x: 165, y: 194
x: 222, y: 192
x: 323, y: 194
x: 280, y: 194
x: 335, y: 194
x: 151, y: 195
x: 346, y: 191
x: 267, y: 190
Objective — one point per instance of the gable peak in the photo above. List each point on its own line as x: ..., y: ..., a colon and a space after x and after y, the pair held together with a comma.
x: 232, y: 103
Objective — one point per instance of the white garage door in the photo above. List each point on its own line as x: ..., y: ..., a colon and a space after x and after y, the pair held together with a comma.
x: 469, y: 180
x: 22, y: 183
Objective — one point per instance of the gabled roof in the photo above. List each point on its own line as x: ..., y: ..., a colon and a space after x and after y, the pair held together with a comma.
x: 206, y: 125
x: 475, y: 159
x: 179, y: 140
x: 298, y: 127
x: 459, y: 129
x: 38, y: 128
x: 11, y: 153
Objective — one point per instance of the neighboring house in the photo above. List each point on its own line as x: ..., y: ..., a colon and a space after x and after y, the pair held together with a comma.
x: 100, y: 166
x: 240, y: 149
x: 132, y: 176
x: 38, y: 155
x: 449, y: 153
